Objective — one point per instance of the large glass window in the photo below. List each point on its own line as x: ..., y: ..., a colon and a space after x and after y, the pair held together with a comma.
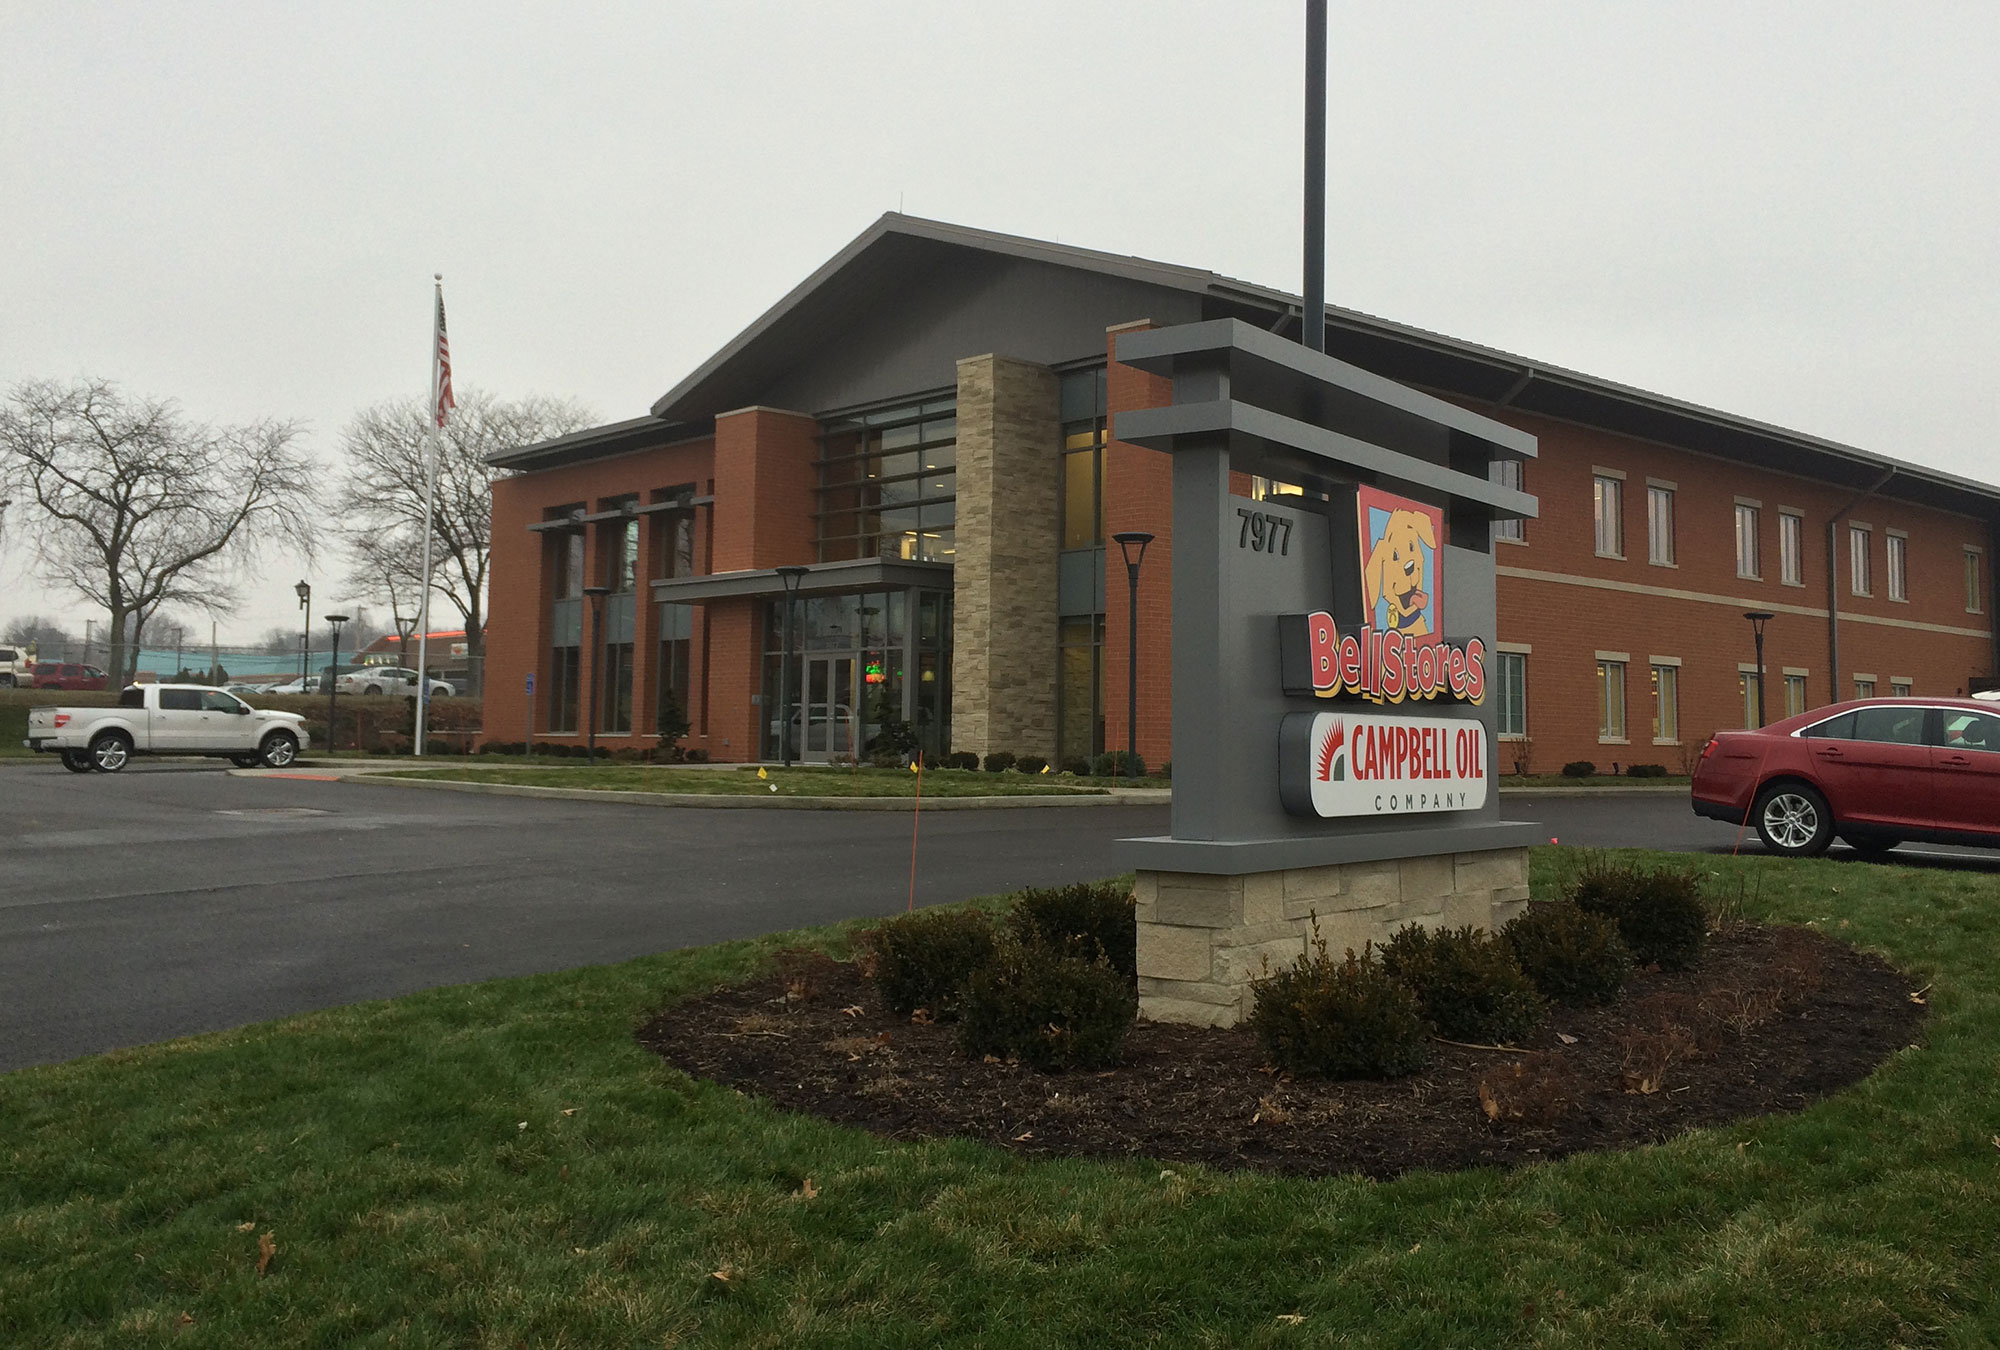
x: 1751, y: 686
x: 1085, y: 426
x: 1666, y: 703
x: 1747, y: 564
x: 1607, y: 495
x: 1507, y: 473
x: 616, y: 711
x: 1660, y: 526
x: 888, y: 484
x: 1899, y: 550
x: 671, y: 709
x: 1791, y: 549
x: 673, y: 534
x: 621, y: 553
x: 1510, y: 687
x: 1611, y: 700
x: 1080, y: 689
x: 564, y: 665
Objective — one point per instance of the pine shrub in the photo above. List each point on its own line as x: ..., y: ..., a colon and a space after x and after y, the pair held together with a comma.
x: 1031, y: 764
x: 1078, y: 765
x: 1467, y: 981
x: 923, y: 960
x: 1088, y: 920
x: 1579, y: 768
x: 1114, y: 764
x: 1339, y: 1019
x: 1646, y: 771
x: 1047, y: 1007
x: 1660, y: 914
x: 999, y: 761
x: 1570, y: 955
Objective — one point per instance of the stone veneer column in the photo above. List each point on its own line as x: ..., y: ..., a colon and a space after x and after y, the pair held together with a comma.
x: 1203, y: 939
x: 1003, y: 676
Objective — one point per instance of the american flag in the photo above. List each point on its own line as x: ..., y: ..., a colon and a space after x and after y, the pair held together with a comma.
x: 441, y: 377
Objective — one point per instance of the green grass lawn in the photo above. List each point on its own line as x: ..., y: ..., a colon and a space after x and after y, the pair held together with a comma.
x: 499, y: 1164
x: 797, y: 782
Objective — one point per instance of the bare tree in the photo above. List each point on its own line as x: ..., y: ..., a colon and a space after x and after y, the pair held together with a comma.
x: 37, y: 631
x: 132, y: 507
x: 381, y: 500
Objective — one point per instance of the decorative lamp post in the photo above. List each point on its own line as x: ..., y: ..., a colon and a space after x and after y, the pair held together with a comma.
x: 333, y: 621
x: 305, y: 594
x: 596, y: 594
x: 1758, y: 618
x: 791, y: 576
x: 1127, y: 541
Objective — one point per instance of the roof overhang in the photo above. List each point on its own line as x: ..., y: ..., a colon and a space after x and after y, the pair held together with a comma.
x: 833, y: 578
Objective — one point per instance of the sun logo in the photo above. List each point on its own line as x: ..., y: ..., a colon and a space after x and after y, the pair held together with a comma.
x: 1331, y: 764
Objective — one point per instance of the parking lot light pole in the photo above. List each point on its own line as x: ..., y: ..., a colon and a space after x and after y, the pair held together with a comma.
x: 791, y: 576
x: 1127, y: 540
x: 1758, y: 618
x: 305, y: 594
x: 333, y: 621
x: 596, y: 594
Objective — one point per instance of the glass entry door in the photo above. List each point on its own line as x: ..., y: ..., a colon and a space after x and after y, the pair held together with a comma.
x: 831, y: 720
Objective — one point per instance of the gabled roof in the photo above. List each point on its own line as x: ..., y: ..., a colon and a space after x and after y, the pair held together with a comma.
x: 898, y: 247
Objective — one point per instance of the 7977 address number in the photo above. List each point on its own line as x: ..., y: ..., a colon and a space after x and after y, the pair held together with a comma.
x: 1262, y: 533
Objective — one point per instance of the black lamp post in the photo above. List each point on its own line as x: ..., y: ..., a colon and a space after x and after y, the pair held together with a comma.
x: 333, y: 621
x: 305, y: 594
x: 1127, y: 541
x: 1758, y: 618
x: 596, y: 594
x: 791, y: 576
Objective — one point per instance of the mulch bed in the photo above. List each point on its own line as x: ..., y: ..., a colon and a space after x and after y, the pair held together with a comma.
x: 1184, y: 1094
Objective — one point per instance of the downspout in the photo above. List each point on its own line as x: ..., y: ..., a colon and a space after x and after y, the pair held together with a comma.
x: 1833, y: 581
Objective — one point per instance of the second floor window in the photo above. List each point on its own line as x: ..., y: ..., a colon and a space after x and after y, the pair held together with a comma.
x: 1507, y: 473
x: 1899, y: 550
x: 1608, y: 495
x: 1746, y: 541
x: 1791, y: 549
x: 1660, y: 525
x: 1972, y: 560
x: 1859, y: 538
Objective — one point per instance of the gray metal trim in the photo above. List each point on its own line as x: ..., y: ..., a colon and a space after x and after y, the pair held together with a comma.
x: 1240, y: 857
x: 1256, y: 428
x: 855, y: 574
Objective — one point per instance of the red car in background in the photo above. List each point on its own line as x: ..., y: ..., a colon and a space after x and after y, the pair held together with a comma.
x: 1875, y: 772
x: 69, y: 675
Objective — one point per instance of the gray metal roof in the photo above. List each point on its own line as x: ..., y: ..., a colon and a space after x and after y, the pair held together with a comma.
x: 898, y: 251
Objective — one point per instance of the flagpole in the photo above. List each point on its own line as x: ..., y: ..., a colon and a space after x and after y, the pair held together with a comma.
x: 431, y: 428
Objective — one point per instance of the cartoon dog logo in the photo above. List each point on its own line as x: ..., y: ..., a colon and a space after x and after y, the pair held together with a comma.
x: 1398, y: 571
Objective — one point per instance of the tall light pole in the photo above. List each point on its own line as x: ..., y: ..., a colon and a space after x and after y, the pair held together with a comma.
x: 1128, y: 540
x: 305, y: 595
x: 333, y: 621
x: 1758, y: 618
x: 596, y: 594
x: 791, y: 576
x: 1312, y: 322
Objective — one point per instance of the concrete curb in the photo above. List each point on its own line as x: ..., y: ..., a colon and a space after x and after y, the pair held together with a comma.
x: 1666, y: 790
x: 718, y: 801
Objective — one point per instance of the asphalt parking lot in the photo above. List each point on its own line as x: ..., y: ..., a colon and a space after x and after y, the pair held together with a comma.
x: 175, y: 898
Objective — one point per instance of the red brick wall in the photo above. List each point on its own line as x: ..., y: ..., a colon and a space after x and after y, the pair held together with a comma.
x: 765, y: 489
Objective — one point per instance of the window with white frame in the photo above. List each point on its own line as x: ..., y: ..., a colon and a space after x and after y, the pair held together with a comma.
x: 1900, y: 688
x: 1859, y: 538
x: 1510, y: 687
x: 1973, y: 558
x: 1507, y: 473
x: 1666, y: 703
x: 1864, y: 686
x: 1898, y: 559
x: 1751, y: 686
x: 1660, y: 525
x: 1611, y: 700
x: 1791, y: 549
x: 1746, y: 540
x: 1608, y: 500
x: 1795, y: 695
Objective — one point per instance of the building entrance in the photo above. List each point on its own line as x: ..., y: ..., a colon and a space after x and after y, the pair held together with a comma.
x: 827, y: 727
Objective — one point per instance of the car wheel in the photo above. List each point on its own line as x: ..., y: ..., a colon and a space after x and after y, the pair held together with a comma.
x: 278, y: 750
x: 6, y: 681
x: 373, y: 689
x: 77, y: 761
x: 246, y: 761
x: 1793, y: 819
x: 110, y: 752
x: 1871, y: 845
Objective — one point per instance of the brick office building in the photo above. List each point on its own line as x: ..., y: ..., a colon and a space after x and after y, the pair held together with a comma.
x: 917, y: 438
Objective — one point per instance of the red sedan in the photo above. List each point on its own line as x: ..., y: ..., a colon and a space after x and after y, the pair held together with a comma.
x: 1876, y: 772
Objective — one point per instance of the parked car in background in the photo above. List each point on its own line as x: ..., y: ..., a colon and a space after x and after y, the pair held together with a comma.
x: 15, y: 668
x: 294, y: 686
x: 389, y: 680
x: 166, y: 719
x: 70, y: 675
x: 1875, y: 772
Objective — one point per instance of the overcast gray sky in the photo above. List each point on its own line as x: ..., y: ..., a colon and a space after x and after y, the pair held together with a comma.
x: 1785, y: 210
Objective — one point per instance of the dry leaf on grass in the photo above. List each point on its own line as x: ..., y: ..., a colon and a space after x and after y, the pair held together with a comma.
x: 246, y: 1227
x: 1291, y: 1319
x: 1024, y: 1136
x: 1565, y: 1038
x: 922, y: 1016
x: 854, y: 1010
x: 267, y: 1248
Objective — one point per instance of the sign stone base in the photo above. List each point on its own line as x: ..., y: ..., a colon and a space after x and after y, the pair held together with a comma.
x: 1203, y: 938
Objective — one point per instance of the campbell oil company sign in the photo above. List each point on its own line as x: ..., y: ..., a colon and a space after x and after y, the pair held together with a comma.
x: 1382, y: 642
x: 1358, y: 764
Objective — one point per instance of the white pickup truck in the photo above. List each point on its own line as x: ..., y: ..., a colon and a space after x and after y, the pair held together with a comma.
x: 166, y: 719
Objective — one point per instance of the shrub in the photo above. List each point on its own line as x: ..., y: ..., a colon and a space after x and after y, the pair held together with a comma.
x: 1646, y: 771
x: 1077, y: 765
x: 1579, y: 768
x: 1048, y: 1007
x: 697, y: 757
x: 959, y: 759
x: 896, y: 736
x: 1468, y: 982
x: 1659, y: 914
x: 1166, y: 770
x: 1089, y: 920
x: 1031, y: 764
x: 673, y: 719
x: 1571, y: 956
x: 922, y: 960
x: 1339, y: 1019
x: 999, y: 762
x: 885, y: 757
x: 1112, y: 764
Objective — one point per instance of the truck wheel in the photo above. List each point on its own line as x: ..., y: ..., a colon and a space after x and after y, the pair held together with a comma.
x: 278, y: 750
x: 77, y: 761
x: 110, y: 752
